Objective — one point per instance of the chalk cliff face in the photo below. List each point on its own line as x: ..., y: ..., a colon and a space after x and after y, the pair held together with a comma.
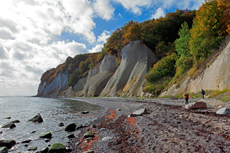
x: 55, y: 87
x: 106, y: 79
x: 129, y: 77
x: 214, y: 77
x: 99, y: 76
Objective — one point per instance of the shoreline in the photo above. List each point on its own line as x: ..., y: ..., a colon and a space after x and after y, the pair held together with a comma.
x: 166, y: 127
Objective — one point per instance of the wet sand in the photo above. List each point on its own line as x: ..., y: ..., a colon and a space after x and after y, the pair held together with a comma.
x: 167, y: 127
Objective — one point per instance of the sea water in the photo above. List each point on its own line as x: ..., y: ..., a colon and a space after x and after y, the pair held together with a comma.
x: 53, y: 112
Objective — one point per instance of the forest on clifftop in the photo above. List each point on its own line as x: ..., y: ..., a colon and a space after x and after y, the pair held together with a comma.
x: 182, y: 41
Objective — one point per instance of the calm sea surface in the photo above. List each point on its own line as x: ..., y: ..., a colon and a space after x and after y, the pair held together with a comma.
x: 53, y: 112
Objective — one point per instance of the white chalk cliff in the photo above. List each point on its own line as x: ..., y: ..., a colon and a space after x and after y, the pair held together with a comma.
x: 129, y: 77
x: 55, y: 87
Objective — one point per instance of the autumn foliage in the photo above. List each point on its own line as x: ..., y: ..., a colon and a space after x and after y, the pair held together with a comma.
x: 181, y: 40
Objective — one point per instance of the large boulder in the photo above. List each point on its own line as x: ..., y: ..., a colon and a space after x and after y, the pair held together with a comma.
x: 223, y: 111
x: 57, y: 148
x: 7, y: 143
x: 196, y: 105
x: 128, y: 79
x: 37, y: 118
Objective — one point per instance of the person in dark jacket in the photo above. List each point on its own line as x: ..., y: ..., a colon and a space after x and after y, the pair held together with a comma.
x: 203, y: 93
x: 186, y: 96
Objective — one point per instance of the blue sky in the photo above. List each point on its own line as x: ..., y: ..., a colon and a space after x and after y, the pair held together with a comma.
x: 36, y: 35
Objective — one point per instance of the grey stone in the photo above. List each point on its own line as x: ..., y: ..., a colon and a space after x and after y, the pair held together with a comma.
x: 223, y: 111
x: 106, y: 138
x: 139, y: 112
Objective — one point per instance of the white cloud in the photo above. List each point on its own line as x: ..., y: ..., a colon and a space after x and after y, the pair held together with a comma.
x: 104, y: 36
x: 96, y: 49
x: 104, y: 9
x: 159, y: 13
x: 135, y: 5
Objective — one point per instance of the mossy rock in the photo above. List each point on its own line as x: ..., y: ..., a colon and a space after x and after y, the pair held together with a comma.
x: 3, y: 150
x: 9, y: 125
x: 46, y: 135
x: 37, y: 118
x: 32, y: 148
x: 88, y: 134
x: 44, y: 150
x: 70, y: 127
x: 57, y: 147
x: 7, y: 143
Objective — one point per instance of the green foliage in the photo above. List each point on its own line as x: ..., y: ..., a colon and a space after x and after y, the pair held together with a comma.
x: 73, y: 79
x: 182, y: 43
x: 164, y: 68
x: 157, y: 87
x: 183, y: 64
x: 205, y: 34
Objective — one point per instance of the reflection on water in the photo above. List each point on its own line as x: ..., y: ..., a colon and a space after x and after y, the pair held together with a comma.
x: 53, y: 111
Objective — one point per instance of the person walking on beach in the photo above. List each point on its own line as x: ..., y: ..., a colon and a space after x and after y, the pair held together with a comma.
x: 202, y: 92
x: 186, y: 96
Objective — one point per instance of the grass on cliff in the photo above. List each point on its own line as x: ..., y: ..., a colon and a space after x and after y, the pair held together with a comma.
x: 223, y: 95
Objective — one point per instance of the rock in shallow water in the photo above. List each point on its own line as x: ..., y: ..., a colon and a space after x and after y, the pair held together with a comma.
x: 61, y: 124
x: 7, y: 143
x: 9, y: 125
x: 37, y: 119
x: 3, y: 150
x: 32, y: 148
x: 46, y: 135
x: 88, y: 134
x: 26, y: 141
x: 44, y: 150
x: 57, y: 147
x: 70, y: 127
